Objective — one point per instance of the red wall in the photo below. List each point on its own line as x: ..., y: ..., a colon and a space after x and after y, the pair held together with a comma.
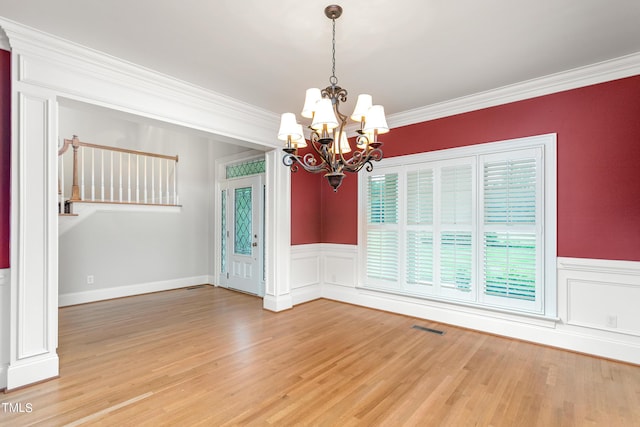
x: 598, y: 130
x: 5, y: 155
x: 306, y: 207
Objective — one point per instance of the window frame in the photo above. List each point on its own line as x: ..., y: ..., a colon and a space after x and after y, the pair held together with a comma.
x: 546, y: 144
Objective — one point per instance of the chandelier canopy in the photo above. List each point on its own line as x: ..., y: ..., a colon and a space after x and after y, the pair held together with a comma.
x: 328, y: 136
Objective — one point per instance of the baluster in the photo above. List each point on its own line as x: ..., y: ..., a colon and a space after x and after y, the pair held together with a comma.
x: 160, y: 181
x: 82, y: 150
x: 102, y: 175
x: 129, y: 177
x: 145, y: 179
x: 137, y: 178
x: 93, y: 181
x: 153, y: 181
x: 120, y: 181
x: 166, y: 161
x: 111, y: 178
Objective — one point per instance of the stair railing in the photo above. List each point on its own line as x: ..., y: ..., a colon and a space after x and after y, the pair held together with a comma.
x: 104, y: 174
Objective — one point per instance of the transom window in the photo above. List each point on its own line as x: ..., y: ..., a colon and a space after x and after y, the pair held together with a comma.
x: 474, y: 225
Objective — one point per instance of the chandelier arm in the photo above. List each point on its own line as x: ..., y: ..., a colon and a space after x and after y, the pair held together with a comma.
x: 320, y: 149
x: 307, y: 162
x: 361, y: 160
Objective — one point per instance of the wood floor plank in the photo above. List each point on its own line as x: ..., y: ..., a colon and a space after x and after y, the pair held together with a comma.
x: 213, y: 357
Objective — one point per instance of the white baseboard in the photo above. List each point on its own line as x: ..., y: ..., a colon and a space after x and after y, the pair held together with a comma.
x: 281, y: 303
x: 306, y: 294
x: 5, y: 320
x: 544, y: 332
x: 35, y: 369
x: 592, y: 296
x: 126, y: 291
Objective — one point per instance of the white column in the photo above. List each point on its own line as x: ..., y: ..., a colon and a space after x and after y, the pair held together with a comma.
x: 34, y: 237
x: 5, y: 311
x: 278, y: 234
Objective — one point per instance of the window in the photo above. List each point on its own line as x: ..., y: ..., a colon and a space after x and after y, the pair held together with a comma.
x: 465, y: 225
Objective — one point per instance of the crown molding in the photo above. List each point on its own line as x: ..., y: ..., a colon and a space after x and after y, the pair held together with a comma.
x: 209, y: 111
x: 4, y: 41
x: 92, y: 62
x: 617, y: 68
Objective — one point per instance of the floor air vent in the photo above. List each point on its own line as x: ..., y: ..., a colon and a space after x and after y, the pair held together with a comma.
x: 433, y: 331
x: 190, y: 288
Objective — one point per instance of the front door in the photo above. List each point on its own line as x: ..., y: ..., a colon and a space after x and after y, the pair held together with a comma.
x: 245, y: 235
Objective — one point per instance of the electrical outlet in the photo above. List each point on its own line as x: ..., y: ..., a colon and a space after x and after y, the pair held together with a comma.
x: 612, y: 321
x: 89, y: 280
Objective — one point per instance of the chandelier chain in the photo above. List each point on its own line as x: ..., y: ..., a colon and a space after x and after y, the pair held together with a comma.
x: 333, y: 79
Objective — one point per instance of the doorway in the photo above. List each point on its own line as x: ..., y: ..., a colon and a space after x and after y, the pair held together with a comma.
x: 242, y: 251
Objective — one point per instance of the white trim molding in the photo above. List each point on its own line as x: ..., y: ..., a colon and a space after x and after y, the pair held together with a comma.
x: 618, y: 68
x: 5, y: 309
x: 79, y: 73
x: 601, y: 296
x: 597, y: 301
x: 74, y: 298
x: 315, y: 266
x: 46, y: 70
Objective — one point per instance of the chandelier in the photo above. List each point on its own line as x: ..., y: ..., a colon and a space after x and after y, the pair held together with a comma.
x: 328, y: 136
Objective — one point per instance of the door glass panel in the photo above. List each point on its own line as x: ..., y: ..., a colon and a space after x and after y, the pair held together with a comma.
x: 242, y: 241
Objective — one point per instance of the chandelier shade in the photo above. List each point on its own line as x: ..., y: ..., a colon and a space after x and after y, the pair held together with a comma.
x: 289, y: 128
x: 375, y: 120
x: 310, y: 100
x: 362, y: 107
x: 328, y: 137
x: 323, y: 116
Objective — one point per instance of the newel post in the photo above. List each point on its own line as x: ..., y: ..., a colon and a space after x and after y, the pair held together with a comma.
x: 75, y: 189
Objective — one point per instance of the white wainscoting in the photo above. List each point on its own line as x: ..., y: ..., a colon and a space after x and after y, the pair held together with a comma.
x: 5, y: 306
x: 130, y: 290
x: 315, y: 266
x: 601, y: 295
x: 305, y: 273
x: 598, y: 302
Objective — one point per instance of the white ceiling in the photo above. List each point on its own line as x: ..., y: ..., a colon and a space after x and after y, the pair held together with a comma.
x: 406, y: 53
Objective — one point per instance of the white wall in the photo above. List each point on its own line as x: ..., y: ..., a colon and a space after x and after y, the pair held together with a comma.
x: 129, y: 252
x: 597, y: 302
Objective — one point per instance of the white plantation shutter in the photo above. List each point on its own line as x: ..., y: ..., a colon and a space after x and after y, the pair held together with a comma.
x: 419, y: 257
x: 456, y: 251
x: 419, y: 234
x: 420, y: 197
x: 510, y: 191
x: 456, y: 201
x: 382, y: 227
x: 382, y: 254
x: 467, y: 225
x: 383, y: 199
x: 456, y: 260
x: 511, y: 238
x: 510, y: 265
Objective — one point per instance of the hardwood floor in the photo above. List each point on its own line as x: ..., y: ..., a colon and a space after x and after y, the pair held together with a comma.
x: 210, y: 357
